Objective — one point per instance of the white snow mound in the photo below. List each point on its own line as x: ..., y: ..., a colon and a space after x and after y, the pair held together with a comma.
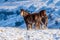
x: 13, y: 33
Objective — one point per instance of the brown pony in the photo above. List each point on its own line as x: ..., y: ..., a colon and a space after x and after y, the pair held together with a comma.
x: 34, y: 18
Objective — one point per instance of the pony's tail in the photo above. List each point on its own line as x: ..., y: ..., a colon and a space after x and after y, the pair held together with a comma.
x: 42, y: 12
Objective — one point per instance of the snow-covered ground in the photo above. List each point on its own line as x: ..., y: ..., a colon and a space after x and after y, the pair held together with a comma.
x: 9, y: 33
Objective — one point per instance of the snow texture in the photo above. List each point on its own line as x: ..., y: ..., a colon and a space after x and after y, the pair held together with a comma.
x: 10, y: 33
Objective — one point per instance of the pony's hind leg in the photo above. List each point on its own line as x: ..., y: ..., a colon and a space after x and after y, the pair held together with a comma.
x: 29, y: 26
x: 44, y: 26
x: 37, y: 25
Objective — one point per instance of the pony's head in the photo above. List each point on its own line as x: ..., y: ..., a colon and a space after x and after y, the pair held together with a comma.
x: 23, y: 12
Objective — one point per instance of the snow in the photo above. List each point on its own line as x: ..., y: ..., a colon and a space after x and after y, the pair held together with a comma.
x: 8, y: 7
x: 57, y: 4
x: 9, y: 33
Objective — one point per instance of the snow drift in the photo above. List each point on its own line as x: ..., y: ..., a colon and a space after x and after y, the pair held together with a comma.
x: 10, y: 33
